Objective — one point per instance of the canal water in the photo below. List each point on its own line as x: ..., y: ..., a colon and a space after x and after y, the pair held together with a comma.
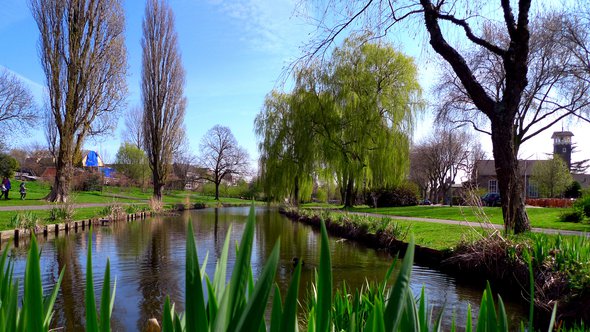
x: 148, y: 258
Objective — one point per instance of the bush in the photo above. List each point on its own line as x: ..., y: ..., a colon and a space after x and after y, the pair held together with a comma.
x: 403, y: 195
x: 583, y: 204
x: 61, y: 213
x: 572, y: 216
x: 574, y: 190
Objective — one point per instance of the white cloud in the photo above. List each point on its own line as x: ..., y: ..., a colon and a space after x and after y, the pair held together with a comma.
x: 266, y: 25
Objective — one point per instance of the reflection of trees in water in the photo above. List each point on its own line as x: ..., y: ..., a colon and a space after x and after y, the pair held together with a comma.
x: 71, y: 299
x: 158, y: 276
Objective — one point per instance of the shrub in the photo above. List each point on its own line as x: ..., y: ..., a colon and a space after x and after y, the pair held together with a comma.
x: 156, y: 205
x: 114, y: 211
x: 572, y: 216
x: 403, y: 195
x: 583, y: 204
x: 574, y: 190
x: 61, y: 213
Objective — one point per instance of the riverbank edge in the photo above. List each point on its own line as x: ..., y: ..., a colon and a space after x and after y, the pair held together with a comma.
x: 448, y: 262
x: 46, y: 229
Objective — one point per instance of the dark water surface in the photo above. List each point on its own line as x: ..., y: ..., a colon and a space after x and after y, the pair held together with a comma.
x: 148, y: 259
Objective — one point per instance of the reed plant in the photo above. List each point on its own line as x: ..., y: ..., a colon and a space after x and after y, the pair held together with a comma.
x: 25, y: 220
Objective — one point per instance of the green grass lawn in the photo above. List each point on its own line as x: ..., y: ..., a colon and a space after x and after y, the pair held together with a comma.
x: 540, y: 217
x: 37, y: 190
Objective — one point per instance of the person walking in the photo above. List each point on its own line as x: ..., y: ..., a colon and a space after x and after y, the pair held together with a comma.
x: 23, y: 191
x: 7, y: 185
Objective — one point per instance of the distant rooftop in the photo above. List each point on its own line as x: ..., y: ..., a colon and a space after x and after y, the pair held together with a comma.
x: 562, y: 134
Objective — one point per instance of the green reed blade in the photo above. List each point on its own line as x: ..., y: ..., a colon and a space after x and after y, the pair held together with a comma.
x: 105, y: 300
x: 167, y: 316
x: 11, y: 317
x: 91, y: 318
x: 502, y: 319
x: 552, y: 321
x: 469, y: 322
x: 222, y: 318
x: 196, y: 316
x: 50, y: 301
x: 532, y: 289
x: 483, y: 313
x: 253, y: 314
x: 240, y: 274
x: 491, y: 319
x: 178, y: 324
x: 277, y: 311
x: 422, y: 312
x: 289, y: 320
x: 396, y: 298
x: 410, y: 320
x: 324, y: 286
x: 33, y: 297
x: 211, y: 300
x: 221, y: 267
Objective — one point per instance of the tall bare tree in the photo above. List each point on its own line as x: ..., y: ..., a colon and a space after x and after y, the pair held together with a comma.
x: 222, y: 156
x: 17, y: 106
x: 83, y: 56
x: 449, y: 23
x: 438, y: 159
x: 162, y: 91
x: 134, y: 127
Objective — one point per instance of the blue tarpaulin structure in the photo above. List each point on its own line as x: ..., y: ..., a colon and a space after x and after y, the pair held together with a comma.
x: 107, y: 171
x: 92, y: 159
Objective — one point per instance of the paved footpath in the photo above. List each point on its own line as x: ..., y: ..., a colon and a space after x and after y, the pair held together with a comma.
x: 474, y: 224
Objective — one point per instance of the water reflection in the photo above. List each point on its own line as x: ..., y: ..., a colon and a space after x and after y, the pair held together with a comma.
x: 147, y: 258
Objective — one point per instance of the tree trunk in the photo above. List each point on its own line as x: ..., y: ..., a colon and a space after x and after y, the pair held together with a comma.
x: 158, y: 185
x: 295, y: 198
x: 348, y: 195
x: 217, y: 190
x: 63, y: 174
x: 509, y: 180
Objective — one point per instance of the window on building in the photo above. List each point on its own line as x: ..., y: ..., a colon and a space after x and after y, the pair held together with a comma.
x: 493, y: 186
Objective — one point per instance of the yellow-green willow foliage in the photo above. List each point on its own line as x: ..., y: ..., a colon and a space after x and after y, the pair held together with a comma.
x: 351, y: 115
x: 286, y: 149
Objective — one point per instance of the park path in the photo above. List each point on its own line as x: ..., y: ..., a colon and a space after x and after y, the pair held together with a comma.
x: 473, y: 224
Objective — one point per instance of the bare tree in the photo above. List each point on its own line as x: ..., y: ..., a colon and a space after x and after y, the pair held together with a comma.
x: 134, y: 127
x: 17, y: 107
x: 452, y: 22
x: 51, y: 134
x: 83, y: 56
x: 162, y: 89
x: 184, y: 161
x: 439, y: 159
x: 222, y: 157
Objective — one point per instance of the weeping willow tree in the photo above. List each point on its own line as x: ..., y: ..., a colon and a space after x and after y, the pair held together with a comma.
x: 350, y: 116
x: 286, y: 150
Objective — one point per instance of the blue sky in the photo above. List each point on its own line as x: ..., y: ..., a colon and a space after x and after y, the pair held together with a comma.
x: 234, y: 52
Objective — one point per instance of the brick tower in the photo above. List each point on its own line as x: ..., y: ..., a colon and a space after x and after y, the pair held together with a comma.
x: 562, y: 146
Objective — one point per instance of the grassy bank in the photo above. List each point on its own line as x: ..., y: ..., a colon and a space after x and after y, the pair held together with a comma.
x: 560, y: 264
x: 539, y: 217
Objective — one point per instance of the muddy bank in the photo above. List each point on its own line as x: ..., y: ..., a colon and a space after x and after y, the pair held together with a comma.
x: 477, y: 264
